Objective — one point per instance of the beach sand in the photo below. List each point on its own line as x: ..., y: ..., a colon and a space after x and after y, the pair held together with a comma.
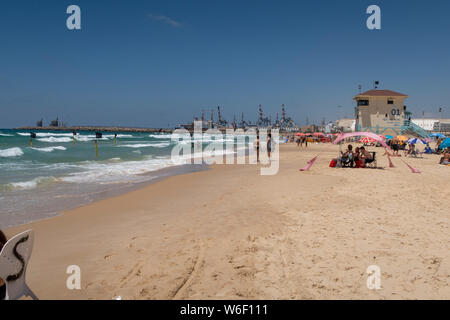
x: 230, y: 233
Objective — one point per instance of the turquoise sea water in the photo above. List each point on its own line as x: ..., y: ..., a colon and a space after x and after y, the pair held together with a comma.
x: 56, y: 174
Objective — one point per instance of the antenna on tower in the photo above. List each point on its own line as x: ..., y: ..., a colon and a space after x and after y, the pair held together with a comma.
x: 260, y: 114
x: 359, y: 88
x: 376, y: 84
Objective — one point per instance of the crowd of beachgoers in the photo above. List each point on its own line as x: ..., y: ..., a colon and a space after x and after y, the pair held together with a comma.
x: 360, y: 157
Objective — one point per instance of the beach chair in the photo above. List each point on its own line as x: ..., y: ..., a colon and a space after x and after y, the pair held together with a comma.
x: 14, y: 259
x: 346, y: 162
x: 372, y: 163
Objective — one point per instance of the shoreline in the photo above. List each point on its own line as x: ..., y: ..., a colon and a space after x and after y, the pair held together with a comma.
x: 115, y: 190
x: 230, y: 233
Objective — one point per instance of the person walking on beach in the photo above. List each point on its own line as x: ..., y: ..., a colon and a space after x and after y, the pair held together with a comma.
x: 3, y: 241
x: 395, y: 147
x: 256, y: 144
x: 269, y: 144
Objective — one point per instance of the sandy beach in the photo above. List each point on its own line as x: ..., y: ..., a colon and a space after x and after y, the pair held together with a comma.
x: 230, y: 233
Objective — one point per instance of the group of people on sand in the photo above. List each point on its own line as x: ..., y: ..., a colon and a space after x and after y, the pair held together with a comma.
x: 301, y: 140
x: 399, y: 145
x: 356, y: 158
x: 257, y: 144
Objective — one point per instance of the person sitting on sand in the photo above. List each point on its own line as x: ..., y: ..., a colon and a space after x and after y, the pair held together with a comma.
x: 365, y: 155
x: 347, y: 156
x: 3, y: 241
x: 356, y: 154
x: 411, y: 150
x: 445, y: 160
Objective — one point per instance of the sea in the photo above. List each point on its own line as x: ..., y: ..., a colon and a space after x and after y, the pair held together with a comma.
x: 60, y: 171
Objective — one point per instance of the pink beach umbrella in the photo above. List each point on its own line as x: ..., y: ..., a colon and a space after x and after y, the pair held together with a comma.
x: 374, y: 136
x: 367, y: 140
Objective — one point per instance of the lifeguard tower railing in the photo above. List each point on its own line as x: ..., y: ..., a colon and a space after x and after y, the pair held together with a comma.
x: 408, y: 127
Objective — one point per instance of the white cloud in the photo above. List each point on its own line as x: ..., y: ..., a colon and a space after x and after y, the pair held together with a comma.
x: 165, y: 19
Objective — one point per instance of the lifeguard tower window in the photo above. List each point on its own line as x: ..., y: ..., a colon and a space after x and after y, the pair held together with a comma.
x: 363, y: 103
x: 390, y: 101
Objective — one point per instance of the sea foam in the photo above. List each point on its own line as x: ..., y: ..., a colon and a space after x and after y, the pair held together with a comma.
x: 11, y: 152
x: 50, y: 149
x: 145, y: 145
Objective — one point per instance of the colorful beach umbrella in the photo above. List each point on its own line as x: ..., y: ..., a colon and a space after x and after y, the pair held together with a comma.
x: 374, y: 136
x: 367, y: 140
x: 402, y: 138
x: 317, y: 134
x: 445, y: 144
x: 416, y: 140
x: 437, y: 135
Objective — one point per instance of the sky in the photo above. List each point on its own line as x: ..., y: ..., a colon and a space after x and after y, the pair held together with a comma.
x: 159, y: 63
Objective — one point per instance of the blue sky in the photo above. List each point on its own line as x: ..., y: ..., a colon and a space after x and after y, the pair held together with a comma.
x: 157, y: 63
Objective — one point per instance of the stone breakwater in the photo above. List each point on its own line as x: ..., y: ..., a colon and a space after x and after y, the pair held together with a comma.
x: 96, y: 128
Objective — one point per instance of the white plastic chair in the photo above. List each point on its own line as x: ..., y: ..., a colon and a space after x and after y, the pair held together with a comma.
x: 14, y: 259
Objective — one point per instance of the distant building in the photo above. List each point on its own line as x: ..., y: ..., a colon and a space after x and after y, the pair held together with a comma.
x: 427, y: 124
x: 435, y: 125
x: 54, y: 123
x: 310, y: 128
x: 346, y: 125
x: 442, y: 125
x: 381, y: 111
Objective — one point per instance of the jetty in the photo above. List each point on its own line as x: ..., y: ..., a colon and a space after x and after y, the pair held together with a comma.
x: 96, y: 129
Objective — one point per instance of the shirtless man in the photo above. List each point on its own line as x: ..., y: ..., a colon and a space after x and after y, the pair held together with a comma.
x: 364, y: 155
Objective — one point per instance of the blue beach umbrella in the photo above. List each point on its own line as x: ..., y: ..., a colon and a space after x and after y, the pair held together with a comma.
x: 445, y: 144
x: 437, y: 135
x: 388, y: 137
x: 416, y: 140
